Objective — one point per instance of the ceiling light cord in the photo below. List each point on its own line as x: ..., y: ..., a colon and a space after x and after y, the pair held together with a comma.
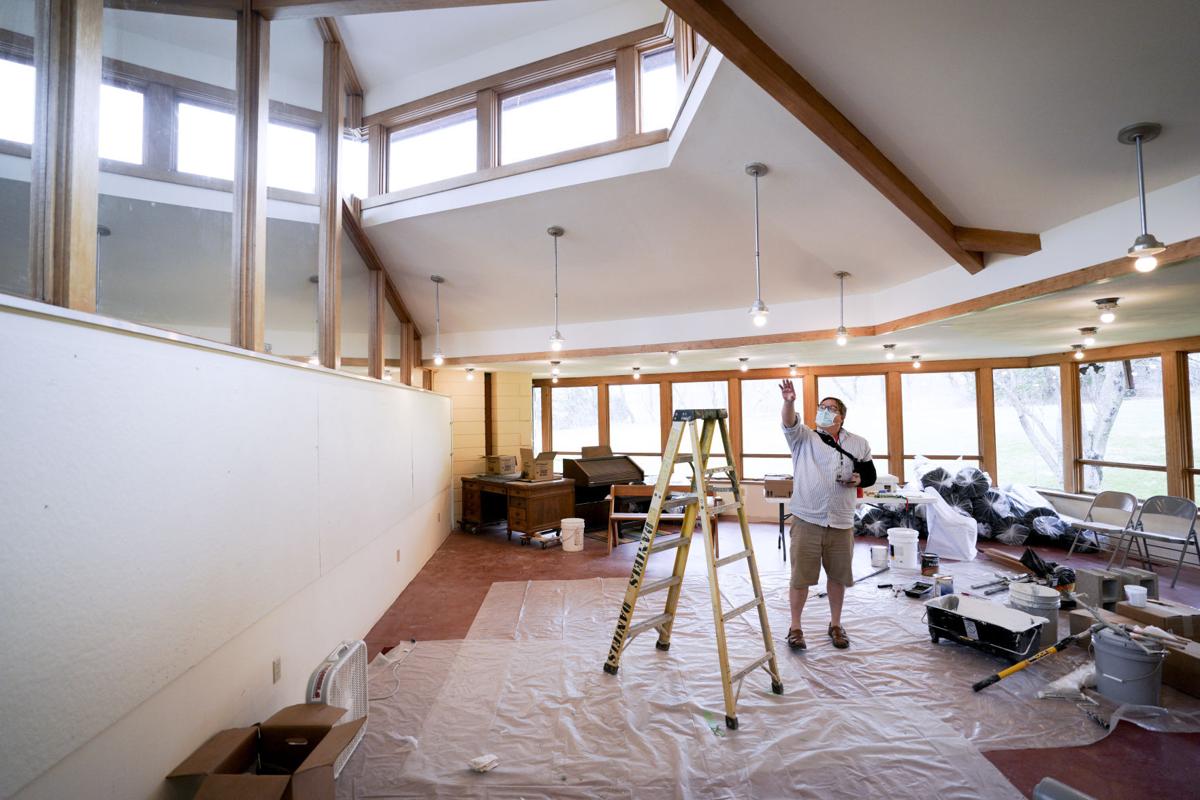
x: 437, y: 317
x: 757, y: 262
x: 555, y: 284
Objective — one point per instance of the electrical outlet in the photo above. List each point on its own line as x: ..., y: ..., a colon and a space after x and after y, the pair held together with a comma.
x: 276, y: 670
x: 397, y: 556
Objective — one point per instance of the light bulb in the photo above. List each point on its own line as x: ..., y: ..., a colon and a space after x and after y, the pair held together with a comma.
x: 556, y: 341
x: 554, y: 371
x: 1107, y: 316
x: 637, y: 375
x: 673, y: 357
x: 792, y: 370
x: 554, y: 379
x: 1145, y: 264
x: 916, y: 362
x: 760, y: 319
x: 890, y: 356
x: 438, y: 359
x: 1088, y: 341
x: 841, y: 340
x: 1079, y: 355
x: 470, y: 374
x: 744, y: 364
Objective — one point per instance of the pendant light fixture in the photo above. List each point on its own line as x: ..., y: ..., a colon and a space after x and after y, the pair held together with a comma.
x: 792, y: 370
x: 1089, y: 336
x: 1078, y: 348
x: 916, y: 362
x: 470, y: 373
x: 673, y: 358
x: 842, y: 336
x: 744, y: 364
x: 758, y: 310
x: 554, y: 368
x: 1146, y: 246
x: 1108, y: 309
x: 438, y: 357
x: 637, y: 373
x: 889, y: 352
x: 556, y: 338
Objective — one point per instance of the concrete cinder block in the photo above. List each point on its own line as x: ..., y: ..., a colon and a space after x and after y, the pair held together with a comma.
x: 1139, y: 577
x: 1102, y: 588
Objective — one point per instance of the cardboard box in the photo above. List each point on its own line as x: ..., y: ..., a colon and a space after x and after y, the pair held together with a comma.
x: 502, y: 465
x: 1170, y: 616
x: 777, y: 487
x: 1181, y: 670
x: 537, y: 469
x: 300, y: 743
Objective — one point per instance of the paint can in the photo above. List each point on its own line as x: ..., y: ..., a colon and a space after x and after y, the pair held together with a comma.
x: 929, y: 564
x: 944, y: 585
x: 879, y: 556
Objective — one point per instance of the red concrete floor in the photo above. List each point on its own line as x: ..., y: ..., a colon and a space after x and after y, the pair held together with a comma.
x: 442, y: 600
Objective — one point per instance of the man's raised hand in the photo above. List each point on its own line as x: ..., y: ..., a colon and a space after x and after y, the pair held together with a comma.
x: 788, y: 391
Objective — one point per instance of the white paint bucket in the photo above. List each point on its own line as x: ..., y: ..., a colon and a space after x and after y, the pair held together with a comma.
x: 879, y: 556
x: 902, y: 548
x: 1125, y: 672
x: 572, y: 534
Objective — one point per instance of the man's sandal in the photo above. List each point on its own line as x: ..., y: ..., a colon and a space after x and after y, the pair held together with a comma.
x: 795, y: 639
x: 838, y: 634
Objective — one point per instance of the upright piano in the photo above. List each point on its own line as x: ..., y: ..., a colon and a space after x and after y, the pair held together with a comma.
x: 594, y: 476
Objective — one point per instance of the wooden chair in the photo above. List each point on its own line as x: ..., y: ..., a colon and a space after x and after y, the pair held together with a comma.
x: 1165, y: 519
x: 639, y: 491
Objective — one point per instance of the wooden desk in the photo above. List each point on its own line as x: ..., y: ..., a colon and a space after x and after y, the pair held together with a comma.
x: 524, y: 507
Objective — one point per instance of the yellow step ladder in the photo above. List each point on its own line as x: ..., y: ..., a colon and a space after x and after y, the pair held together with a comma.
x: 695, y: 503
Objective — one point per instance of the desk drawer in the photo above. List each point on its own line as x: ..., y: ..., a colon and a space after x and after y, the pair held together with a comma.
x: 518, y: 518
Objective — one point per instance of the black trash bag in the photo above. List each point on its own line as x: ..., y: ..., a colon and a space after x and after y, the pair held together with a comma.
x: 1051, y: 530
x: 873, y: 522
x: 939, y: 479
x: 983, y: 530
x: 984, y: 513
x: 1034, y: 513
x: 1014, y: 533
x: 963, y: 505
x: 1000, y: 503
x: 972, y: 482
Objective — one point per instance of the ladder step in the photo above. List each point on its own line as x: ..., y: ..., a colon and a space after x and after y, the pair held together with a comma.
x: 744, y: 671
x: 642, y: 627
x: 669, y: 544
x: 720, y: 562
x: 742, y: 609
x: 723, y: 507
x: 663, y: 584
x: 727, y: 469
x: 682, y: 500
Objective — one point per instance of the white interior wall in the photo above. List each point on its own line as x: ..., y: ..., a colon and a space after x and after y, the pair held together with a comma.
x: 179, y: 515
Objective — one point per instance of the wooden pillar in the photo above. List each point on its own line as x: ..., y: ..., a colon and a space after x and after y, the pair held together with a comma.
x: 602, y: 414
x: 627, y: 91
x: 487, y: 132
x: 489, y: 407
x: 376, y: 160
x: 250, y: 181
x: 1072, y: 436
x: 547, y: 422
x: 809, y: 401
x: 1175, y: 413
x: 65, y: 177
x: 378, y: 307
x: 329, y: 237
x: 985, y: 403
x: 664, y: 413
x: 895, y: 424
x: 735, y: 423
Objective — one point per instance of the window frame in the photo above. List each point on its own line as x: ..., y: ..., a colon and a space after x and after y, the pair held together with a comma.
x: 534, y: 86
x: 440, y: 113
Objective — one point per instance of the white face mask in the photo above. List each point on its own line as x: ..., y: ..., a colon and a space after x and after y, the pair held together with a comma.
x: 825, y: 417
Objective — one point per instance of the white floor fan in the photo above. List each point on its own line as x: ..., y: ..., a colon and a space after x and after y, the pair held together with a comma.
x: 341, y: 681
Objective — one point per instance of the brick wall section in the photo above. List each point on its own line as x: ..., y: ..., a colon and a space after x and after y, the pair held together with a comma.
x: 512, y: 419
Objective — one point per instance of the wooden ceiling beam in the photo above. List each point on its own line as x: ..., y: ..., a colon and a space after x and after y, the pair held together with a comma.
x: 300, y: 9
x: 717, y: 23
x: 982, y: 240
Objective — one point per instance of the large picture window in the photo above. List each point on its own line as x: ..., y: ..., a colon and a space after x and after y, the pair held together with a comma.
x: 634, y: 428
x: 17, y: 88
x: 205, y: 141
x: 1122, y: 416
x: 121, y: 128
x: 1029, y: 426
x: 432, y: 151
x: 765, y: 451
x: 699, y: 394
x: 941, y: 422
x: 575, y: 419
x: 562, y: 116
x: 865, y: 397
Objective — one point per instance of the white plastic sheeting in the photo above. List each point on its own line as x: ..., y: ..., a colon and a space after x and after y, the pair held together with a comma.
x: 952, y: 534
x: 893, y: 716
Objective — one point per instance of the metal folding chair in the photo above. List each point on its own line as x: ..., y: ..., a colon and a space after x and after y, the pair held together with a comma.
x: 1163, y: 518
x: 1114, y: 509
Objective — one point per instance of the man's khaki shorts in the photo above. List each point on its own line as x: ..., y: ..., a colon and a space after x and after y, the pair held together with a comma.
x: 817, y: 545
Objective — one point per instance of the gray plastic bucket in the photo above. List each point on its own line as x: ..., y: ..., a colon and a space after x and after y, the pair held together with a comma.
x: 1125, y: 672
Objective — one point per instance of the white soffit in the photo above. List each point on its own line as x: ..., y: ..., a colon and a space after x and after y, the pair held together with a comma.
x: 1004, y: 114
x: 408, y: 55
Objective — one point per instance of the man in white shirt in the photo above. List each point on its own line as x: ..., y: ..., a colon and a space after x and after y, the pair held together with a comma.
x: 828, y: 466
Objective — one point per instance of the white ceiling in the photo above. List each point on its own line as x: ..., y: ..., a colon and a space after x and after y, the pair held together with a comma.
x: 1004, y: 113
x: 1161, y: 305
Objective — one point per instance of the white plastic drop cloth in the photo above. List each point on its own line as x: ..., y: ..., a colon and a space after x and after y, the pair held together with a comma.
x: 893, y: 716
x: 952, y: 534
